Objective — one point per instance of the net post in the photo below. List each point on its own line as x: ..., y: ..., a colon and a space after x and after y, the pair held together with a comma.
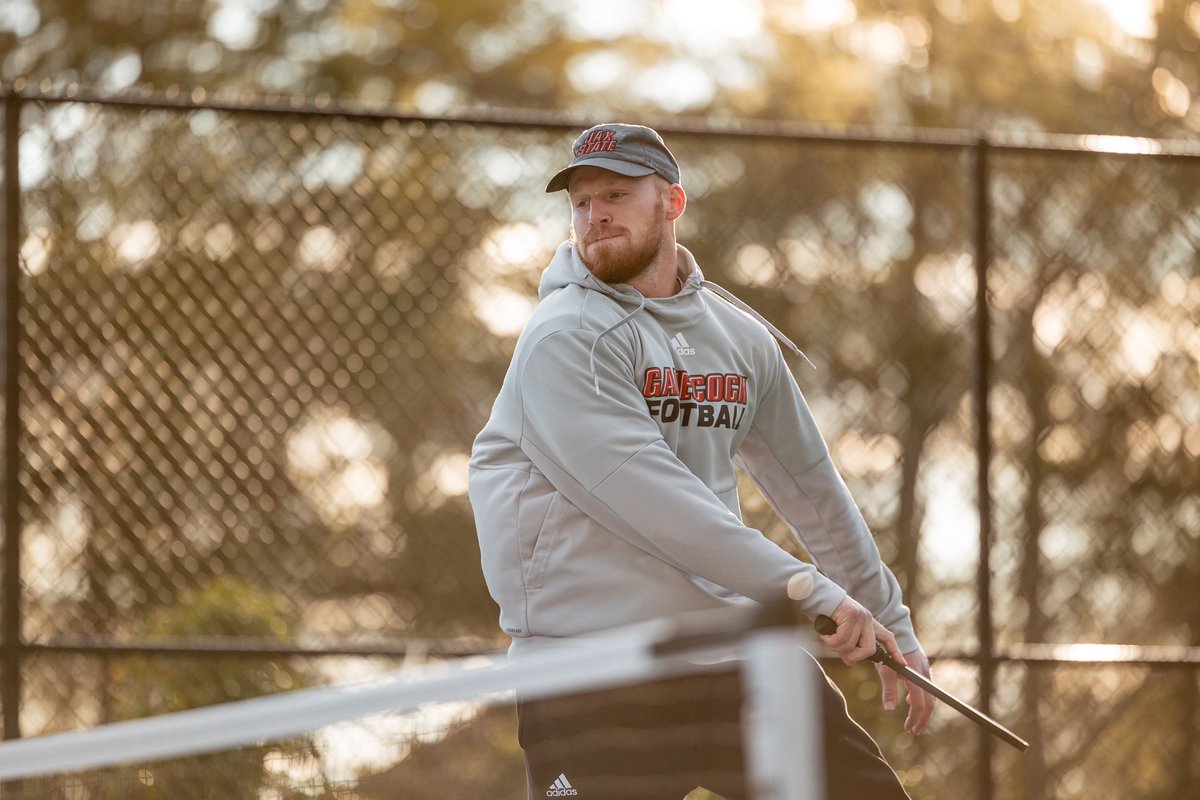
x: 782, y: 725
x: 983, y: 419
x: 10, y: 369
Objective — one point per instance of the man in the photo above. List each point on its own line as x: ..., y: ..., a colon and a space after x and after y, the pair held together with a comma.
x: 605, y: 494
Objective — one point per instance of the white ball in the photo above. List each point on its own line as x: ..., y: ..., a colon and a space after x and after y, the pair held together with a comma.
x: 800, y: 586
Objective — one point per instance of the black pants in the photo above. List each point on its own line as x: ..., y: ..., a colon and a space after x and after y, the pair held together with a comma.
x: 659, y: 741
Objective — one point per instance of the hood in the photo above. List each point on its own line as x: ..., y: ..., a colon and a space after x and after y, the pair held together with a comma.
x: 567, y: 269
x: 681, y: 308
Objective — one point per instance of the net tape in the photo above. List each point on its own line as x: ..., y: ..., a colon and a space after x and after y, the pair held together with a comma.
x: 640, y: 653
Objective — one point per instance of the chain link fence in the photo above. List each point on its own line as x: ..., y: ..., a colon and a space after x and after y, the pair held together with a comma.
x: 253, y: 346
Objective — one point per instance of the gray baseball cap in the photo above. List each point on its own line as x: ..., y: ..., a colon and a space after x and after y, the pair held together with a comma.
x: 632, y: 150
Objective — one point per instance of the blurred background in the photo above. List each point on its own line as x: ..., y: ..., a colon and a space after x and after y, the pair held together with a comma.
x: 266, y: 262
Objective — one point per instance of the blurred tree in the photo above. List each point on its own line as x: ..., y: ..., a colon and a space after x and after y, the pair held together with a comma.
x: 1066, y: 67
x: 243, y: 363
x: 143, y: 687
x: 291, y: 367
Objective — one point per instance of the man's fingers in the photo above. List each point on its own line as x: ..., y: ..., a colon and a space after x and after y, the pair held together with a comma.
x: 857, y: 636
x: 888, y: 640
x: 920, y: 702
x: 862, y: 647
x: 920, y: 709
x: 891, y: 685
x: 854, y: 639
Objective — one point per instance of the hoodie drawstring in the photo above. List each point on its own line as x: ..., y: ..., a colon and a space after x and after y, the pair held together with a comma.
x: 734, y: 301
x: 605, y: 332
x: 716, y: 289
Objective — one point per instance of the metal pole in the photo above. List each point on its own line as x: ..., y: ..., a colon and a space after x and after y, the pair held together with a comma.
x: 782, y: 725
x: 10, y: 501
x: 983, y: 382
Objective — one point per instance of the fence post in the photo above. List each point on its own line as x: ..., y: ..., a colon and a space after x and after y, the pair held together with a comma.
x: 983, y: 382
x: 10, y: 500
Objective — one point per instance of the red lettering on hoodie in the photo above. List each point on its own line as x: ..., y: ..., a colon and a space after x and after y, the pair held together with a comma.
x: 714, y: 387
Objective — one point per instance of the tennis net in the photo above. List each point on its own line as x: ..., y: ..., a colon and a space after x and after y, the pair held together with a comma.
x: 441, y: 730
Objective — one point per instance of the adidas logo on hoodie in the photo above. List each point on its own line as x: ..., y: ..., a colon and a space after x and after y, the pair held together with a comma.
x: 681, y: 345
x: 561, y: 788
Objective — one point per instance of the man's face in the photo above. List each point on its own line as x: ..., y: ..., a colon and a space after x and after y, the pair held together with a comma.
x: 620, y: 223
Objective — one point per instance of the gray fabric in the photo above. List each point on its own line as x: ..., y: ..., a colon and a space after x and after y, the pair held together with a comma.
x: 603, y: 484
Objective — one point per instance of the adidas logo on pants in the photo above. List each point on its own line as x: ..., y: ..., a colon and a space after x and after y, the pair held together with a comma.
x: 561, y: 788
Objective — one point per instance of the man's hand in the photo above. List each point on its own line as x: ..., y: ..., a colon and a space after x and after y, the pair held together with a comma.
x: 857, y: 634
x: 920, y: 702
x: 856, y: 637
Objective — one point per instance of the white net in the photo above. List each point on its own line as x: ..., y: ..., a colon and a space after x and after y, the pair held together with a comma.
x: 448, y: 730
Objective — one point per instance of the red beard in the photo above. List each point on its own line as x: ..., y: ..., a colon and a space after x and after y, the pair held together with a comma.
x: 618, y: 260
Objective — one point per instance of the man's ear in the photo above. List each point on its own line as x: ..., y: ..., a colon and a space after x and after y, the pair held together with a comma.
x: 676, y: 201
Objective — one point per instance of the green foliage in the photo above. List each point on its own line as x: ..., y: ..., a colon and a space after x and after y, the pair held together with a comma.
x: 145, y: 686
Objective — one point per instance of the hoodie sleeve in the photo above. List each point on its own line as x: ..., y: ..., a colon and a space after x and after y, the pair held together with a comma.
x: 605, y: 454
x: 788, y: 459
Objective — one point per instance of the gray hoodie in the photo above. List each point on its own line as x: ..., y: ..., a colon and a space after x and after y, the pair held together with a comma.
x: 603, y: 484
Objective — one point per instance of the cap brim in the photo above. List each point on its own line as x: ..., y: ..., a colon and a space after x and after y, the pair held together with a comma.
x: 560, y: 181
